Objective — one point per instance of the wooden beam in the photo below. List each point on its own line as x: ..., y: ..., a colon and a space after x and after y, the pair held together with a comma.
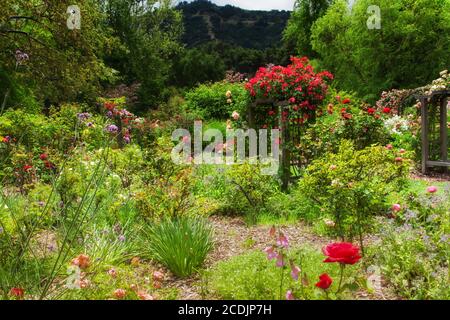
x: 425, y: 141
x: 438, y: 163
x: 444, y: 130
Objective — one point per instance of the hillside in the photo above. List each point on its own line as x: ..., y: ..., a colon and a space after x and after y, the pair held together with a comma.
x: 205, y: 21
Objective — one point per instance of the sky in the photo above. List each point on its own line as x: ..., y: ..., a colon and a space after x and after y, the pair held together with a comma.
x: 258, y: 4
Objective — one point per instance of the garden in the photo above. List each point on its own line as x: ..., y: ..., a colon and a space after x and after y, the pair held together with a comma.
x: 110, y: 189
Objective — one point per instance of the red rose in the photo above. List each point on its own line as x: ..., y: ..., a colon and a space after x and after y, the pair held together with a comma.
x: 343, y: 252
x: 292, y: 100
x: 325, y: 281
x: 271, y: 113
x: 387, y: 110
x: 27, y: 168
x: 371, y: 111
x: 17, y: 292
x: 43, y: 157
x: 346, y: 101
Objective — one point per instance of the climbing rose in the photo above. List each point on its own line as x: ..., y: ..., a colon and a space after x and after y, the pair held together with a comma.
x: 324, y: 281
x: 342, y: 252
x: 346, y: 101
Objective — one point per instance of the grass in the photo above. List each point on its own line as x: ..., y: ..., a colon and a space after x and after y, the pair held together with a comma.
x: 180, y: 244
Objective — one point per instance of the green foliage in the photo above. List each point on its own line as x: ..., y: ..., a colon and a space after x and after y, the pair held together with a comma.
x: 252, y: 277
x: 195, y: 66
x: 180, y: 244
x: 352, y: 185
x: 297, y: 34
x: 211, y: 100
x: 413, y: 40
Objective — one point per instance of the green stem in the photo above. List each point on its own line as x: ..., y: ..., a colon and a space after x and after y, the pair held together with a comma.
x: 282, y: 281
x: 342, y: 266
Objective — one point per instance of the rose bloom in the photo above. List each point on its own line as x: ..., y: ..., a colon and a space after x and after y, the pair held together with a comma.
x: 342, y: 252
x: 235, y: 115
x: 82, y: 261
x: 324, y: 281
x: 371, y: 111
x: 387, y: 110
x: 120, y: 293
x: 17, y: 292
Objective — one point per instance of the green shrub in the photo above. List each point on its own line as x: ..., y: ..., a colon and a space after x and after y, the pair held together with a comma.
x: 180, y: 244
x: 352, y: 185
x: 212, y: 102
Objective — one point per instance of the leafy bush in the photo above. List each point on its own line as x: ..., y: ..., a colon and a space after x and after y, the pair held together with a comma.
x: 211, y: 100
x: 415, y: 262
x: 352, y: 185
x: 181, y: 244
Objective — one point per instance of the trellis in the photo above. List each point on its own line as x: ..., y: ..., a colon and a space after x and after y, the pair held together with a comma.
x: 290, y: 134
x: 435, y: 99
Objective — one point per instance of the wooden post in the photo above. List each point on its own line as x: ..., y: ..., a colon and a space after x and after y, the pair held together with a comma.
x: 444, y: 131
x: 425, y: 141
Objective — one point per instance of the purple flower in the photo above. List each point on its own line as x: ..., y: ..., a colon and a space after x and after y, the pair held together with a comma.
x: 122, y: 238
x: 89, y: 124
x: 109, y: 114
x: 83, y: 116
x: 127, y: 139
x: 21, y: 57
x: 112, y: 128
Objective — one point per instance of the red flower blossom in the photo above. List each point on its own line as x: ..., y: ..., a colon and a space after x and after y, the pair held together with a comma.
x: 343, y: 252
x: 43, y: 156
x: 17, y: 292
x: 371, y: 111
x: 271, y: 113
x: 325, y: 281
x: 27, y: 168
x: 346, y: 101
x: 387, y: 110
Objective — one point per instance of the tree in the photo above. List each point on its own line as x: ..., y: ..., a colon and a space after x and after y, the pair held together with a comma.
x: 150, y: 32
x: 62, y: 64
x: 298, y: 30
x: 410, y: 48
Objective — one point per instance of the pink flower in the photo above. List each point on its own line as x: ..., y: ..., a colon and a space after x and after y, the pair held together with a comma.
x: 144, y: 296
x: 289, y: 295
x: 292, y: 100
x: 432, y: 189
x: 402, y: 151
x: 271, y: 254
x: 396, y: 207
x: 295, y: 271
x: 158, y: 276
x: 399, y: 159
x: 389, y: 147
x: 280, y: 261
x: 235, y: 115
x: 283, y: 241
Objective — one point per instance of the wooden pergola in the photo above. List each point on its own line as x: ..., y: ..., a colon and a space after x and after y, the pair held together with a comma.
x: 436, y: 98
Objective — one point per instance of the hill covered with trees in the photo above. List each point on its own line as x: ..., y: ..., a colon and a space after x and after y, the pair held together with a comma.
x: 204, y: 21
